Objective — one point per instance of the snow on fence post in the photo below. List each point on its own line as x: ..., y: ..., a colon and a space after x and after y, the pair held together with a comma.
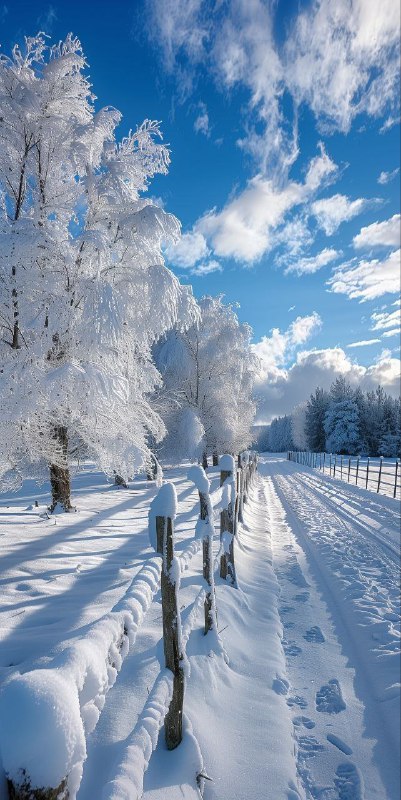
x: 395, y: 480
x: 170, y: 581
x: 198, y: 476
x: 357, y: 471
x: 367, y: 473
x: 227, y: 566
x: 380, y: 474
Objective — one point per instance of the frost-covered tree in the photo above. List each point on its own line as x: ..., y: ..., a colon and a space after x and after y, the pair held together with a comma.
x: 208, y: 373
x: 316, y: 409
x: 83, y: 287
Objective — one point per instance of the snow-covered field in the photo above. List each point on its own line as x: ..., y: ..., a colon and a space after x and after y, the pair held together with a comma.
x: 303, y: 698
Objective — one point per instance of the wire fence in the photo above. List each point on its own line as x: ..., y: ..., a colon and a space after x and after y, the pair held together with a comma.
x: 375, y: 474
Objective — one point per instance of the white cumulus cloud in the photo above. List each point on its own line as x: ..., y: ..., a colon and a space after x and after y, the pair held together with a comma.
x: 304, y: 266
x: 379, y: 234
x: 367, y: 279
x: 330, y: 212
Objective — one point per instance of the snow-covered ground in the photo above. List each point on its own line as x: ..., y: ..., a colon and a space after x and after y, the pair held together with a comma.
x: 303, y: 702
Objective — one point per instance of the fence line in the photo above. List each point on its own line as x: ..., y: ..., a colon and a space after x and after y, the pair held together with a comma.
x: 379, y: 475
x: 117, y: 630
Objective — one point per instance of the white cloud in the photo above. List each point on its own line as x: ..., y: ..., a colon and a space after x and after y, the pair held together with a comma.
x: 363, y: 343
x: 387, y: 321
x: 393, y: 332
x: 340, y: 58
x: 379, y: 234
x: 201, y: 124
x: 273, y: 351
x: 278, y: 391
x: 188, y: 250
x: 207, y: 268
x: 386, y: 177
x: 246, y: 227
x: 368, y: 279
x: 309, y: 265
x: 330, y: 212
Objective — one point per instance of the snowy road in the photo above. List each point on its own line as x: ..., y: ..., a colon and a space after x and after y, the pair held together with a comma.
x: 303, y: 705
x: 336, y: 558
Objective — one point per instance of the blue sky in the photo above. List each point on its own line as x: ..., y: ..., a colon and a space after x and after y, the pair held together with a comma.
x: 283, y: 123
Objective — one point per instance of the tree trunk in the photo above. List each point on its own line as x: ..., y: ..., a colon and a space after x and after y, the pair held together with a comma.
x: 60, y: 474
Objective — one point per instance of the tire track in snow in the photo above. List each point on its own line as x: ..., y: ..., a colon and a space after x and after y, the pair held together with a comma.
x: 359, y: 509
x: 327, y: 717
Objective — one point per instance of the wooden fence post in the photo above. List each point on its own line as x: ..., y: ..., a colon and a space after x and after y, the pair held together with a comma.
x: 349, y: 467
x: 227, y: 566
x: 335, y: 464
x: 395, y: 481
x: 330, y: 465
x: 380, y: 474
x: 171, y: 642
x: 367, y: 473
x: 341, y: 464
x: 324, y: 461
x: 207, y: 564
x: 357, y: 470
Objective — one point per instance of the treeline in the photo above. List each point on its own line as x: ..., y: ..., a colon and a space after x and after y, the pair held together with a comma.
x: 344, y: 420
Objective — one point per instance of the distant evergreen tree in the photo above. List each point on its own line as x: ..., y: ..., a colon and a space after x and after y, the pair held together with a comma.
x: 341, y: 424
x: 314, y: 420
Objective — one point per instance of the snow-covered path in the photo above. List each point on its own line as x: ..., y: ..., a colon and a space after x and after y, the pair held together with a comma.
x: 336, y: 559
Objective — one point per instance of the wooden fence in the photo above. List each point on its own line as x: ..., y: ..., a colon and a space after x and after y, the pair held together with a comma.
x: 376, y: 474
x: 118, y: 628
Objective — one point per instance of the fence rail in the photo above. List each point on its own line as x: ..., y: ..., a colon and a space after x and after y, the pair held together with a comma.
x: 375, y: 474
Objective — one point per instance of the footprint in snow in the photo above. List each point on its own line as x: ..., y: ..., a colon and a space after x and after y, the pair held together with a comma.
x: 303, y: 597
x: 314, y: 634
x: 297, y: 700
x: 280, y: 685
x: 286, y: 609
x: 291, y: 649
x: 303, y: 721
x: 348, y: 782
x: 329, y: 698
x: 309, y: 746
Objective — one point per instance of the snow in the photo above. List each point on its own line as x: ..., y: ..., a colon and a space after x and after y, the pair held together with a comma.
x: 227, y: 464
x: 165, y: 502
x: 163, y: 505
x: 198, y: 476
x: 299, y: 691
x: 39, y: 715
